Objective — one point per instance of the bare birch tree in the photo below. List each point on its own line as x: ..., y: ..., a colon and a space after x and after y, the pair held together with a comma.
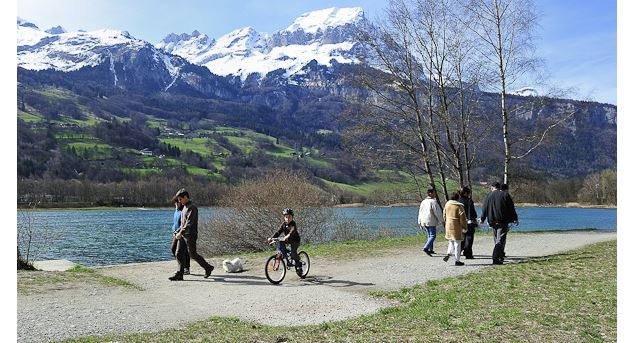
x: 507, y: 30
x: 420, y: 99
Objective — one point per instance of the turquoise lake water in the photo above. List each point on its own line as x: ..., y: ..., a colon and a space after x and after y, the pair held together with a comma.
x: 97, y: 237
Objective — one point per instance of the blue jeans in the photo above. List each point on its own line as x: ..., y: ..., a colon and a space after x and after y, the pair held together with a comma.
x: 432, y: 234
x: 294, y: 253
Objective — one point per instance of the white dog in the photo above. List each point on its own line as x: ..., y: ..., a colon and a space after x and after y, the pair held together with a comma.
x: 233, y: 266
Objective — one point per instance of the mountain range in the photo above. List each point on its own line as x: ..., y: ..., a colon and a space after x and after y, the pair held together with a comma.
x: 296, y: 76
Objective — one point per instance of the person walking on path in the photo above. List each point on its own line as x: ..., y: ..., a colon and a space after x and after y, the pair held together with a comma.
x: 176, y: 226
x: 470, y: 213
x: 189, y: 232
x: 430, y: 215
x: 499, y: 210
x: 455, y: 226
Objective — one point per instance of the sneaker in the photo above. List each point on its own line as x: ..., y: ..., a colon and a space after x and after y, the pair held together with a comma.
x: 208, y: 272
x: 427, y: 252
x: 186, y: 271
x: 176, y: 277
x: 446, y: 258
x: 459, y: 263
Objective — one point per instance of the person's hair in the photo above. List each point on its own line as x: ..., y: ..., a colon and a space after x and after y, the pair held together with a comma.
x: 184, y: 194
x: 465, y: 191
x: 496, y: 185
x: 504, y: 187
x: 431, y: 190
x: 175, y: 200
x: 455, y: 196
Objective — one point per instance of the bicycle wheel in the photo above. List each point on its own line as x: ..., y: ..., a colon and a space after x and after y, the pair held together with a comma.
x: 306, y: 263
x: 275, y: 270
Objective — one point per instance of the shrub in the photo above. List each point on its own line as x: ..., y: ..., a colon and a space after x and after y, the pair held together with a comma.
x: 254, y: 211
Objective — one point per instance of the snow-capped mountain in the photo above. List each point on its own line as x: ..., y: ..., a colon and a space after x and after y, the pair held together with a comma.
x: 323, y: 35
x: 526, y: 91
x: 125, y: 61
x: 57, y: 30
x: 187, y: 45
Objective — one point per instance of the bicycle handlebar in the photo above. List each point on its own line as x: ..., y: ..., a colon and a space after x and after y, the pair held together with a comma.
x: 274, y: 240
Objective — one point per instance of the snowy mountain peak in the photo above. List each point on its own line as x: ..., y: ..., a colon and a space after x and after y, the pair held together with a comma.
x: 26, y: 23
x: 526, y: 91
x: 242, y: 39
x: 312, y: 22
x: 57, y: 30
x: 189, y: 46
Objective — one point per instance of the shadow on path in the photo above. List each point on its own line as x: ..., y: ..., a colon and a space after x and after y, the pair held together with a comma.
x: 329, y: 281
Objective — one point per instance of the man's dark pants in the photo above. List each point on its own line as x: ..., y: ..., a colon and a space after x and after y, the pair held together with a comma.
x: 185, y: 257
x: 189, y: 245
x: 500, y: 238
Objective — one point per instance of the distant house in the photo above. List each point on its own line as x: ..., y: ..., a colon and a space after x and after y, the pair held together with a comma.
x: 145, y: 152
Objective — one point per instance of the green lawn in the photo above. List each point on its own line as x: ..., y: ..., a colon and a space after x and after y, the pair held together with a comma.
x: 205, y: 147
x: 28, y: 117
x: 571, y: 297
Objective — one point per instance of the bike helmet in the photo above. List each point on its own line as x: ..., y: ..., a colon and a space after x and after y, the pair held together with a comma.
x: 287, y: 211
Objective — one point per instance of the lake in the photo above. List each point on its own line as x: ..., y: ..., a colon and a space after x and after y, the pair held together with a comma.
x: 105, y: 237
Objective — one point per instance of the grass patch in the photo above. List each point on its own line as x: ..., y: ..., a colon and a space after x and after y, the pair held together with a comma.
x: 31, y: 282
x: 205, y: 147
x: 569, y: 297
x: 28, y: 117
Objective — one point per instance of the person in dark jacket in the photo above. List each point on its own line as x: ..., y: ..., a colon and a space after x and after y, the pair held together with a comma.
x: 291, y: 236
x: 499, y: 210
x: 176, y: 226
x: 470, y: 213
x: 189, y: 232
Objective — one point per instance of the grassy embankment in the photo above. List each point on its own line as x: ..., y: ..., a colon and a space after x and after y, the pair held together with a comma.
x: 569, y: 297
x: 30, y: 282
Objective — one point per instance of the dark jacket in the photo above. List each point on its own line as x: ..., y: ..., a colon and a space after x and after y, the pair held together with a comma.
x: 189, y: 220
x: 470, y: 210
x: 289, y: 228
x: 498, y: 208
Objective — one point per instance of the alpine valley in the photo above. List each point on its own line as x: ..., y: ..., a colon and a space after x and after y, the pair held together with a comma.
x: 105, y: 106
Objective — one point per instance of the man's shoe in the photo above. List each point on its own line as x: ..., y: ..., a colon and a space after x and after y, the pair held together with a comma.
x: 186, y: 271
x: 427, y: 252
x: 469, y: 257
x: 176, y: 277
x: 208, y: 271
x: 446, y: 258
x: 459, y: 263
x: 497, y: 262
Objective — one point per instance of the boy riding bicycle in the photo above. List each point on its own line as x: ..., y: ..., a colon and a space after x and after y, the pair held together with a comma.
x: 292, y: 236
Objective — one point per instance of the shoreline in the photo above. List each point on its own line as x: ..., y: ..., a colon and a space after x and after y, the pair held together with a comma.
x: 351, y: 205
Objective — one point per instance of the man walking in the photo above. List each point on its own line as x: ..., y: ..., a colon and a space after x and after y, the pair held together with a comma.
x: 430, y: 215
x: 189, y: 232
x: 498, y: 208
x: 176, y: 227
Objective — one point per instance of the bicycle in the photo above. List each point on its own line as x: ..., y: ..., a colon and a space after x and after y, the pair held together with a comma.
x: 277, y: 265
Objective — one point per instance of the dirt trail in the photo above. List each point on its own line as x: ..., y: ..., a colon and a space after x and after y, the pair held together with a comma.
x: 334, y: 290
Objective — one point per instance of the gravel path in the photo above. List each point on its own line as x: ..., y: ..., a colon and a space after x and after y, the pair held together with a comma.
x: 332, y: 291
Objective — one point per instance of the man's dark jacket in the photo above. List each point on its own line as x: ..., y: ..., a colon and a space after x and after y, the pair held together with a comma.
x: 498, y: 208
x: 189, y: 220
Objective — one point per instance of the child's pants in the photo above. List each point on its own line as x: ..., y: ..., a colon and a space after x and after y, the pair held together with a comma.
x: 454, y: 247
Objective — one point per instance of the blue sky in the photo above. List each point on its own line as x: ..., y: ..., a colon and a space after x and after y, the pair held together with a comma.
x: 577, y: 37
